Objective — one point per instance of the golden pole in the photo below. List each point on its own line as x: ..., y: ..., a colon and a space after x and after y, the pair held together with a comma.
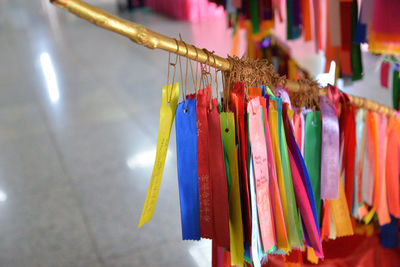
x: 150, y: 39
x: 138, y: 33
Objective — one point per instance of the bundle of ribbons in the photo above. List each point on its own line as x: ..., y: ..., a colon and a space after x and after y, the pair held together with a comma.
x: 263, y: 171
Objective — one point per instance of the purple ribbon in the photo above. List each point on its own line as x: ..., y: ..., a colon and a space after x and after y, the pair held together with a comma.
x: 329, y: 150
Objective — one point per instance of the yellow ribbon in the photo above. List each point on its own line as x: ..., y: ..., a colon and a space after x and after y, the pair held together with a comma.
x: 167, y: 115
x: 235, y: 210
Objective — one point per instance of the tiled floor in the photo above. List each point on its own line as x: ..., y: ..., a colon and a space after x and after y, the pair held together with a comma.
x: 76, y: 155
x: 77, y: 145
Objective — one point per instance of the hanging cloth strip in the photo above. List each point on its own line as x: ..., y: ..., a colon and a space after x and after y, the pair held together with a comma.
x: 383, y: 211
x: 396, y: 85
x: 205, y: 184
x: 237, y: 104
x: 186, y: 150
x: 169, y: 101
x: 256, y: 252
x: 294, y: 231
x: 218, y: 178
x: 369, y: 179
x: 280, y: 229
x: 260, y: 162
x: 329, y: 150
x: 346, y: 37
x: 360, y: 150
x: 273, y: 121
x: 303, y: 189
x: 312, y: 155
x: 341, y: 223
x: 356, y: 60
x: 392, y: 167
x: 235, y: 210
x: 348, y: 120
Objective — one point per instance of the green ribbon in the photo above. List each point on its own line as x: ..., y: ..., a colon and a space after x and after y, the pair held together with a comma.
x: 293, y: 216
x: 227, y: 170
x: 356, y: 60
x: 255, y: 21
x: 396, y: 85
x: 312, y: 155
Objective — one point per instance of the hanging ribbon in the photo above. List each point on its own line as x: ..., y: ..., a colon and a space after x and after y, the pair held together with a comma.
x: 396, y: 86
x: 255, y: 234
x: 340, y: 214
x: 260, y: 162
x: 218, y: 178
x: 235, y: 210
x: 392, y: 168
x: 360, y: 150
x: 329, y: 150
x: 169, y: 101
x: 303, y: 189
x: 295, y: 231
x: 205, y: 184
x: 312, y: 155
x: 237, y: 104
x: 280, y: 229
x: 383, y: 211
x: 293, y: 19
x: 186, y: 151
x: 273, y: 121
x: 369, y: 180
x: 356, y: 59
x: 346, y: 37
x: 349, y: 141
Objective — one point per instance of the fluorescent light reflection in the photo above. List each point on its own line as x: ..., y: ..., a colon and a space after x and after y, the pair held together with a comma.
x: 143, y: 159
x: 3, y: 196
x: 50, y: 77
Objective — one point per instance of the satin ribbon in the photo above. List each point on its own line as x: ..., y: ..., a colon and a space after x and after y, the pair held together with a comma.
x: 396, y: 88
x: 256, y: 252
x: 280, y: 229
x: 273, y: 122
x: 218, y: 178
x: 360, y: 151
x: 306, y: 10
x: 368, y: 196
x: 205, y: 184
x: 237, y: 104
x: 260, y: 162
x: 293, y: 217
x: 349, y: 141
x: 312, y: 155
x: 356, y: 60
x: 346, y: 37
x: 384, y: 75
x: 366, y: 167
x: 235, y: 210
x: 169, y: 101
x: 293, y: 18
x: 329, y: 150
x: 392, y: 167
x: 339, y: 211
x: 186, y: 151
x: 303, y: 190
x: 383, y: 210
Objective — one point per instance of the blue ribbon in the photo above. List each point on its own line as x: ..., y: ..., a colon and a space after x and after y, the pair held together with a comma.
x: 186, y: 150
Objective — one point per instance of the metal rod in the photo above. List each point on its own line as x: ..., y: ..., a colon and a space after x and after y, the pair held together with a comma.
x: 143, y: 36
